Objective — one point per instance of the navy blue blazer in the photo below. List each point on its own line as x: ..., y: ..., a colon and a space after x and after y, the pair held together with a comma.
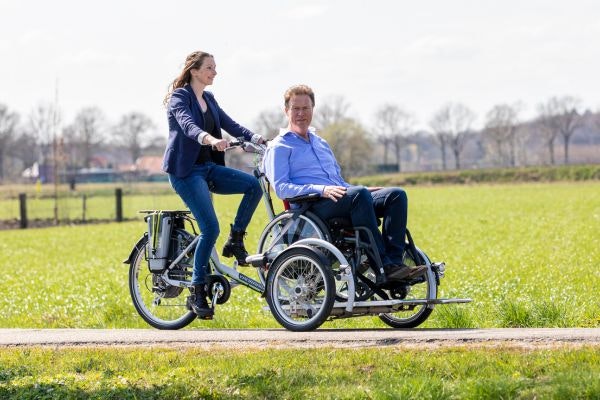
x: 186, y: 123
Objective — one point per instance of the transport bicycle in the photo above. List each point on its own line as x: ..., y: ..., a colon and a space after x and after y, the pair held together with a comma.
x: 309, y: 270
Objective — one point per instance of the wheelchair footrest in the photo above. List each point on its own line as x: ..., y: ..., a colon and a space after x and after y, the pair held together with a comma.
x: 388, y: 306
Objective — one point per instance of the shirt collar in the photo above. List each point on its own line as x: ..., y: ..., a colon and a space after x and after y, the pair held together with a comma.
x: 284, y: 131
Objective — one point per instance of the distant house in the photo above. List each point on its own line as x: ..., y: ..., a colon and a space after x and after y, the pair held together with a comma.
x: 151, y: 164
x: 146, y: 168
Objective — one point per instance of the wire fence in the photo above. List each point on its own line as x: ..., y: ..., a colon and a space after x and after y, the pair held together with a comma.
x: 39, y: 209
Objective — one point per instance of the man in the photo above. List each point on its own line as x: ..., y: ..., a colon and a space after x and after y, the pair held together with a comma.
x: 299, y: 162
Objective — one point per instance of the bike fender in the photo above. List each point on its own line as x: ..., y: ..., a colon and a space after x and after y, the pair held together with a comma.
x: 138, y: 246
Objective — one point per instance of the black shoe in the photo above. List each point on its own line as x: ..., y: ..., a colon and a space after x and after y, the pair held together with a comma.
x: 235, y: 247
x: 404, y: 272
x: 417, y: 271
x: 397, y: 272
x: 197, y: 302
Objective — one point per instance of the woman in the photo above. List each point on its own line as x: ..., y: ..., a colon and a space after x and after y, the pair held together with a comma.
x: 195, y: 161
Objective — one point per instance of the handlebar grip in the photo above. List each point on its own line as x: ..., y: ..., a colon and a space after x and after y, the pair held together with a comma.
x: 237, y: 142
x: 233, y: 143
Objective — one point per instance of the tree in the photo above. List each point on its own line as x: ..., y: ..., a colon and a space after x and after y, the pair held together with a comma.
x: 85, y: 134
x: 394, y: 125
x: 594, y: 124
x: 439, y: 128
x: 547, y: 123
x: 8, y: 124
x: 332, y: 110
x: 44, y: 123
x: 44, y: 120
x: 569, y: 120
x: 130, y: 132
x: 452, y: 125
x: 501, y: 128
x: 269, y: 122
x: 22, y: 147
x: 348, y: 140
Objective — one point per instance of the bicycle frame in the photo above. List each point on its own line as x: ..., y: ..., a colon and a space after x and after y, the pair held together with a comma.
x: 221, y: 269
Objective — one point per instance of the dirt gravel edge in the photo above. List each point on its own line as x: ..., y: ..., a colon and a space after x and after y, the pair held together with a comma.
x: 278, y: 338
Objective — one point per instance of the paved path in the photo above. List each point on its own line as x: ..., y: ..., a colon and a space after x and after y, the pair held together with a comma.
x: 280, y: 338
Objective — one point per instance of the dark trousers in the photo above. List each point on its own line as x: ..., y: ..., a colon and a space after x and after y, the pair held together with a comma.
x: 195, y: 189
x: 364, y: 207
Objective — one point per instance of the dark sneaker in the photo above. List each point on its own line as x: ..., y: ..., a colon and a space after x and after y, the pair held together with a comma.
x: 403, y: 272
x: 417, y: 271
x: 397, y: 272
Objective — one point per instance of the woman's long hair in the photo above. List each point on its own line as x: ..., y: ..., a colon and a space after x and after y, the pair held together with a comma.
x: 193, y: 61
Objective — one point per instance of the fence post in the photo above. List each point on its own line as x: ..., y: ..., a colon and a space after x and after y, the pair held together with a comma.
x: 119, y: 200
x: 23, y: 209
x: 83, y: 207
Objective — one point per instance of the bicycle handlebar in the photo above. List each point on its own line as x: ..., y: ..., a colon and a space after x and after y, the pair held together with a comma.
x: 247, y: 146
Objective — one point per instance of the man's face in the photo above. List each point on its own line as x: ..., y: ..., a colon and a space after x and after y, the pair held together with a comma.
x: 299, y: 113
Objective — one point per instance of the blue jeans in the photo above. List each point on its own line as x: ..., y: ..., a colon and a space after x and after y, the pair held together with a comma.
x: 364, y: 207
x: 194, y: 189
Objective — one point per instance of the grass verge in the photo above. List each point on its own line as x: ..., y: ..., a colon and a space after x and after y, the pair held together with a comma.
x: 326, y: 373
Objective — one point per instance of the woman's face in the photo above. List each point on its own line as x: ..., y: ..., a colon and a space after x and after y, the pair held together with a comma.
x: 207, y: 71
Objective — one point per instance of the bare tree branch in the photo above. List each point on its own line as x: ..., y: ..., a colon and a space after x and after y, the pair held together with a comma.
x: 331, y: 110
x: 130, y: 132
x: 269, y: 122
x: 452, y: 124
x: 8, y: 124
x: 394, y: 126
x: 501, y: 129
x: 85, y: 134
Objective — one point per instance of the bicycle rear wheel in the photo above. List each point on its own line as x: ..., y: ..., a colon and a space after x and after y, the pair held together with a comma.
x: 159, y: 303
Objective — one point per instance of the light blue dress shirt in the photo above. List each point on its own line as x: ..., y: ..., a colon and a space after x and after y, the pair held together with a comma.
x: 297, y: 167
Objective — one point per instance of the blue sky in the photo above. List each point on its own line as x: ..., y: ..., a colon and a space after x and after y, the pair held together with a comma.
x: 121, y: 55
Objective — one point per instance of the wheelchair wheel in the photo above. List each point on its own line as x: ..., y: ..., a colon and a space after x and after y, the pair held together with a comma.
x: 420, y: 288
x: 284, y: 230
x: 300, y: 288
x: 159, y: 303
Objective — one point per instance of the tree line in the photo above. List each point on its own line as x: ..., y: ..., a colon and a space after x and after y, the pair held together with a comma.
x: 391, y: 143
x: 42, y: 137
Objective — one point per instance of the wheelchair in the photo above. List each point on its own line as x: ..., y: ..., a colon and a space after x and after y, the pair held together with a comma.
x: 315, y: 270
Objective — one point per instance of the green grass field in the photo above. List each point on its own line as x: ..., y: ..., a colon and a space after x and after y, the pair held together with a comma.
x: 528, y: 255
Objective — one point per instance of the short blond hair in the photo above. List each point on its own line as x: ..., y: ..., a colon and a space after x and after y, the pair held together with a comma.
x: 298, y: 90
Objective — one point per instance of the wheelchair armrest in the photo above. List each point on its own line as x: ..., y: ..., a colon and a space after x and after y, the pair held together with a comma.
x: 303, y: 198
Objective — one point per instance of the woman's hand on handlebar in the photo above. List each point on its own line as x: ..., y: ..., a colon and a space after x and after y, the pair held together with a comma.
x: 217, y: 144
